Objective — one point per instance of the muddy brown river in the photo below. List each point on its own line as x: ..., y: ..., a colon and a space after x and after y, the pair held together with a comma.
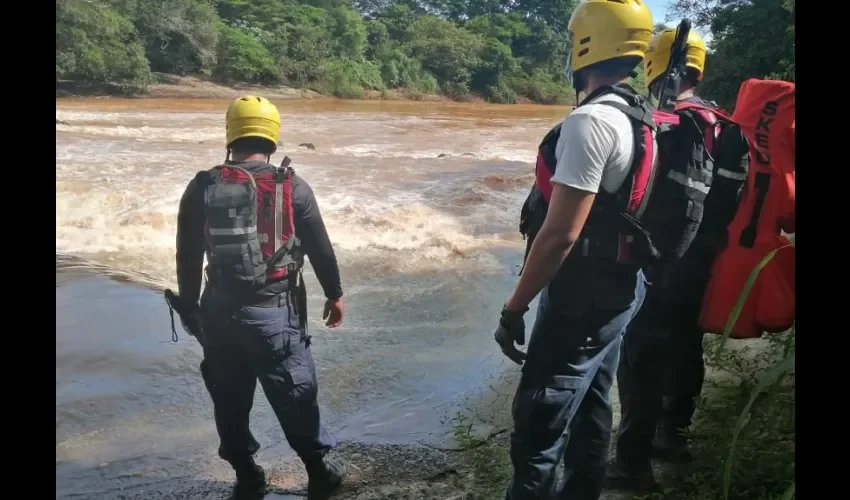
x: 421, y: 201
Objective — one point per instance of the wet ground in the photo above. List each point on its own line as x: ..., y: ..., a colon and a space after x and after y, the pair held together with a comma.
x: 134, y: 419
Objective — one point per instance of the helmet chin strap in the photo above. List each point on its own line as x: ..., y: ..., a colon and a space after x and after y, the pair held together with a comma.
x: 578, y: 84
x: 574, y: 77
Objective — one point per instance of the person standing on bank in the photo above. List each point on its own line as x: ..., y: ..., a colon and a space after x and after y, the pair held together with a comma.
x: 255, y: 222
x: 661, y: 369
x: 593, y: 173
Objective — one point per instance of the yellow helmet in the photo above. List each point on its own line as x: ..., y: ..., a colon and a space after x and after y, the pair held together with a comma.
x: 252, y: 116
x: 659, y: 52
x: 601, y: 30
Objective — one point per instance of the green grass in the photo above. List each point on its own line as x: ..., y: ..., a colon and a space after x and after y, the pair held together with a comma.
x: 488, y: 460
x: 743, y: 436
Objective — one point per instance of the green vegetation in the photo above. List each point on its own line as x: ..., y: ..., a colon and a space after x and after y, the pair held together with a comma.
x: 744, y: 433
x: 504, y: 51
x: 488, y: 460
x: 750, y: 39
x: 743, y: 436
x: 762, y: 463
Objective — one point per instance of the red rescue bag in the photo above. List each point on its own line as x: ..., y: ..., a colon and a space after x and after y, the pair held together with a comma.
x: 765, y: 110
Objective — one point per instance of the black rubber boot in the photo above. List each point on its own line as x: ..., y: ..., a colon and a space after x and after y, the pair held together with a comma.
x: 324, y: 477
x: 638, y: 480
x: 250, y: 480
x: 671, y: 445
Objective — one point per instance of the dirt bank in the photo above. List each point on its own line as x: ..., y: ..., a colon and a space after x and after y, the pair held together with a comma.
x: 193, y: 87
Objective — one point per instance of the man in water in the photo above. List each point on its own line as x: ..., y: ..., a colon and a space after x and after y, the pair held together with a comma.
x: 662, y: 351
x: 561, y: 408
x: 258, y: 331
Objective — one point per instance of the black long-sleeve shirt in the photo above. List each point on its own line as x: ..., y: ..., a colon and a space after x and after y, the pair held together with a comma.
x: 309, y: 228
x: 731, y: 165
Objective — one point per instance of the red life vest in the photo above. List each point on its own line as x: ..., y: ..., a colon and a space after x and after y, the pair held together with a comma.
x: 606, y: 234
x: 545, y: 167
x: 765, y: 111
x: 250, y: 229
x: 664, y: 202
x: 710, y: 117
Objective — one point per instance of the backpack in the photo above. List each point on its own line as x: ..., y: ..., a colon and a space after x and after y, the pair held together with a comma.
x: 250, y: 230
x: 765, y: 111
x: 664, y: 201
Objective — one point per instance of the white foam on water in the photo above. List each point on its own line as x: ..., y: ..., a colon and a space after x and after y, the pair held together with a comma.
x: 492, y: 153
x: 147, y: 133
x: 120, y: 175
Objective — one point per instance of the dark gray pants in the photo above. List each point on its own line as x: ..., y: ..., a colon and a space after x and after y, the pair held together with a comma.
x: 660, y: 375
x: 562, y: 409
x: 246, y: 344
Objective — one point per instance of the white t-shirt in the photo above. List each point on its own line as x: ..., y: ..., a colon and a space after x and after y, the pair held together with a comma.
x: 596, y: 147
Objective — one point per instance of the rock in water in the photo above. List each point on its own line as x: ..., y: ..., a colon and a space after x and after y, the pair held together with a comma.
x: 308, y: 145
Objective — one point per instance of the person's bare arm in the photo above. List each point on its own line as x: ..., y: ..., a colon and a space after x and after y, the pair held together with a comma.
x: 568, y: 211
x: 583, y: 151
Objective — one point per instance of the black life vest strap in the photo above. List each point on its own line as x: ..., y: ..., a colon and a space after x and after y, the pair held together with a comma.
x: 640, y: 114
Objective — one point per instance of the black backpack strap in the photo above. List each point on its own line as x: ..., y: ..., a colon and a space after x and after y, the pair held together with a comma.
x: 640, y: 114
x: 547, y: 147
x: 623, y: 90
x: 637, y: 108
x: 207, y: 177
x: 553, y: 133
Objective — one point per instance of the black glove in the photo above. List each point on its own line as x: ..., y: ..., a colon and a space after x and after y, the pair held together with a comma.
x: 511, y: 329
x: 190, y: 315
x: 192, y: 321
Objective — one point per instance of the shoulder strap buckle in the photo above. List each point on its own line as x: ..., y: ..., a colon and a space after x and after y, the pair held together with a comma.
x: 284, y: 170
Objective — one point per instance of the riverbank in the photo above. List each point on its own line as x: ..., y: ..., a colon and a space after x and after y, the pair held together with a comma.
x: 167, y: 86
x: 134, y: 421
x: 139, y: 384
x: 761, y: 465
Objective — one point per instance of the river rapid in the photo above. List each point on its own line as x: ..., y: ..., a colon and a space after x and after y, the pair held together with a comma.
x: 421, y: 201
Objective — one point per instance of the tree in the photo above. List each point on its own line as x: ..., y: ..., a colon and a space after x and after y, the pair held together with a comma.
x: 554, y: 13
x: 242, y: 57
x: 450, y: 53
x: 700, y: 12
x: 180, y: 36
x: 94, y: 42
x: 752, y: 39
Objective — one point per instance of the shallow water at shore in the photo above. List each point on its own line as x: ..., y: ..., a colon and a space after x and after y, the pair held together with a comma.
x: 428, y: 250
